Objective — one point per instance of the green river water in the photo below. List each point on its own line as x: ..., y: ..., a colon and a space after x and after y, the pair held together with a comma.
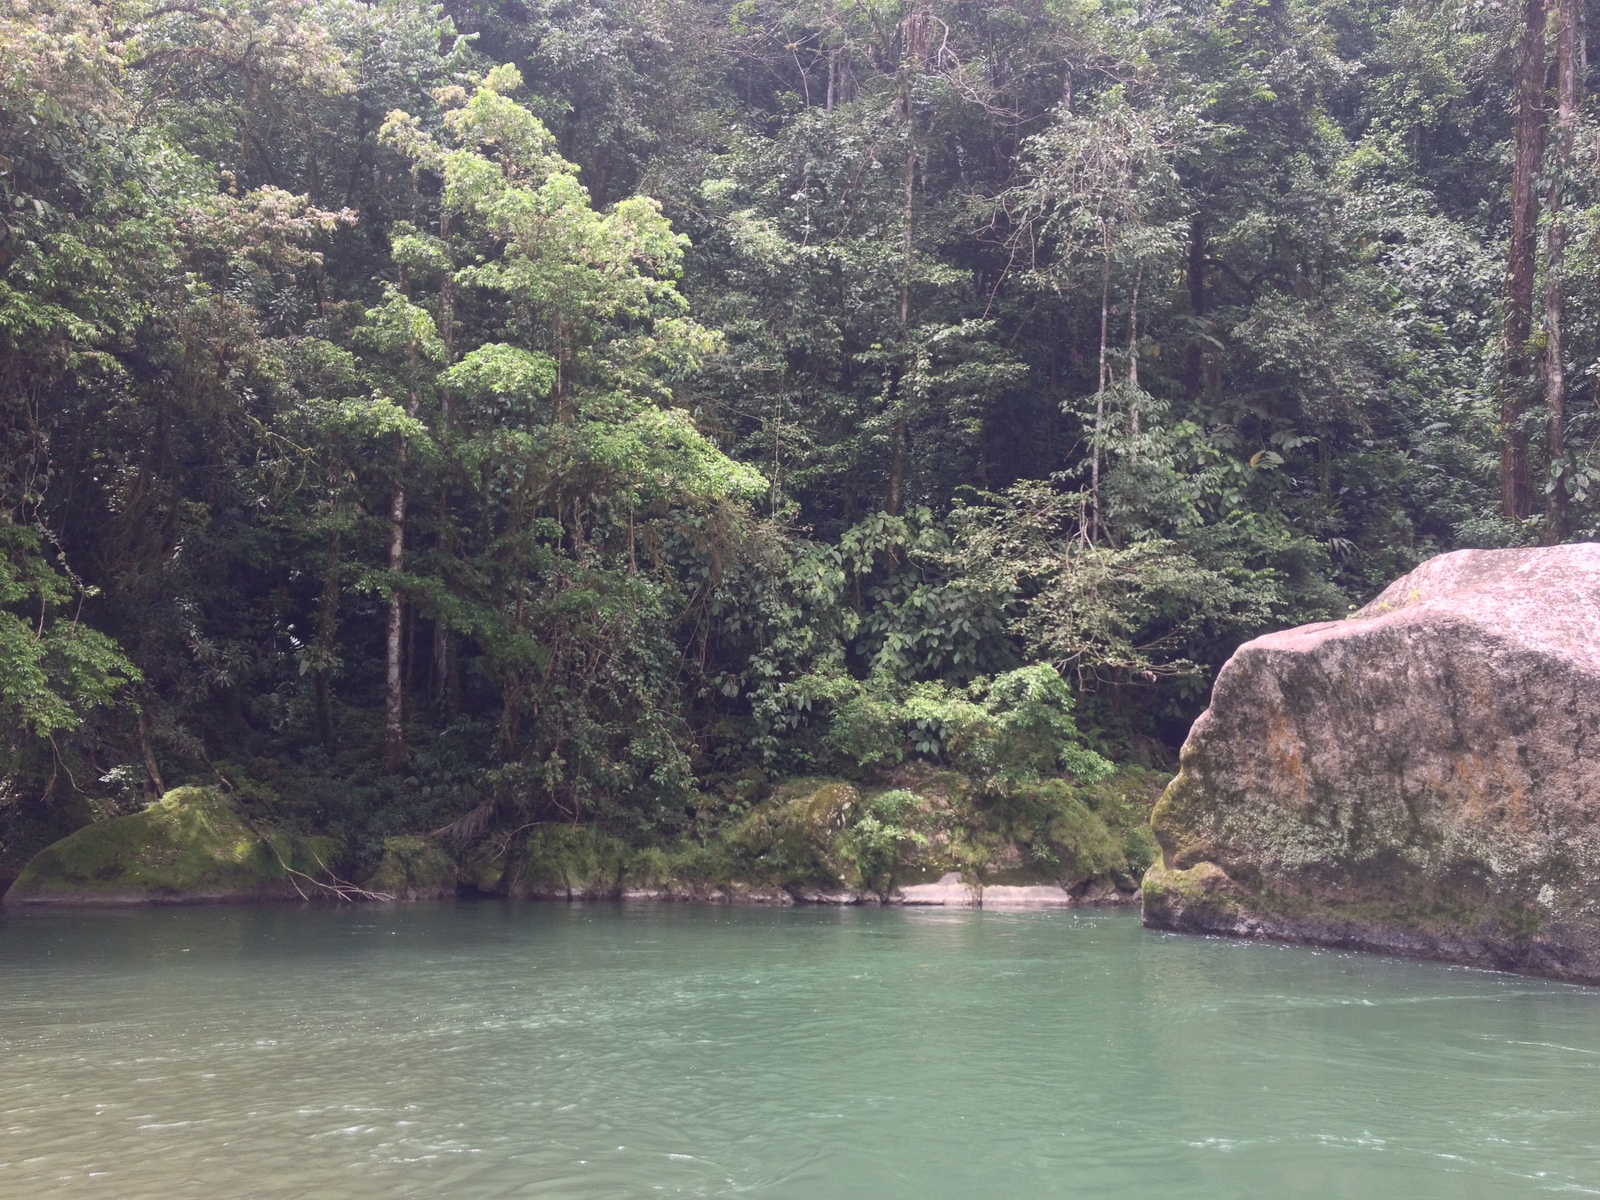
x: 608, y: 1051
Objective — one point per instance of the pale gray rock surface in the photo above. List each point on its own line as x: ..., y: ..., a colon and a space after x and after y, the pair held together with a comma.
x: 1422, y: 777
x: 952, y: 891
x: 1037, y: 895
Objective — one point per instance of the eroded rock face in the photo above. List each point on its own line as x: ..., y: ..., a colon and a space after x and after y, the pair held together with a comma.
x: 1421, y: 778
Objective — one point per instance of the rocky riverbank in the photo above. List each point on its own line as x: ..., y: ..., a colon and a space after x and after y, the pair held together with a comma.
x: 918, y: 837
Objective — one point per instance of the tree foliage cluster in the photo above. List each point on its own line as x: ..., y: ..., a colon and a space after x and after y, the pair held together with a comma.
x: 515, y: 411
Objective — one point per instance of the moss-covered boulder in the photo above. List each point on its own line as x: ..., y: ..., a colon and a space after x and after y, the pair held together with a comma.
x: 565, y: 862
x: 29, y: 828
x: 795, y: 841
x: 191, y: 846
x: 413, y: 869
x: 1421, y: 778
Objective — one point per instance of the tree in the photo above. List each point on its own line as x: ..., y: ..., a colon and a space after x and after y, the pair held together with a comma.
x: 565, y: 435
x: 1516, y: 486
x: 1568, y: 98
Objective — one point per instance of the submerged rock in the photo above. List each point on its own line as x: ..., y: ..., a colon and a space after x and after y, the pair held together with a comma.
x: 413, y: 869
x: 193, y: 845
x: 1420, y: 778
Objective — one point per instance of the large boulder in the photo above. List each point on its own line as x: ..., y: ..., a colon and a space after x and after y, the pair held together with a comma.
x: 1421, y: 778
x: 193, y: 845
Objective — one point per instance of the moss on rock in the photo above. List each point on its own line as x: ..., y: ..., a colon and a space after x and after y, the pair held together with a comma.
x: 1201, y: 893
x: 192, y: 845
x: 413, y: 869
x: 793, y: 840
x: 566, y: 862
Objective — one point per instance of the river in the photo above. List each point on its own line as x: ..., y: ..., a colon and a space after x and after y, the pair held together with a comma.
x: 606, y: 1051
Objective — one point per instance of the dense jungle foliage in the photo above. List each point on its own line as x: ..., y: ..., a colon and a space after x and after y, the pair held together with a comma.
x: 521, y: 412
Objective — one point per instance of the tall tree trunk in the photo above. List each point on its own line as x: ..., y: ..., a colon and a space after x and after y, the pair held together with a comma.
x: 1516, y: 487
x: 394, y: 728
x: 1555, y: 367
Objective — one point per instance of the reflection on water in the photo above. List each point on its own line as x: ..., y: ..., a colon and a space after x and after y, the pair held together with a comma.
x: 480, y: 1050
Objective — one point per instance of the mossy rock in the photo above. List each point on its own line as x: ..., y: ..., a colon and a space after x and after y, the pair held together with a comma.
x: 686, y: 870
x: 193, y: 845
x: 413, y: 869
x: 1042, y: 830
x: 485, y: 876
x: 818, y: 839
x: 32, y: 827
x: 566, y: 862
x: 793, y: 840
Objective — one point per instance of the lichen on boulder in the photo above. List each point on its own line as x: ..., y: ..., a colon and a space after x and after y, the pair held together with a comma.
x: 1420, y: 778
x: 192, y: 845
x: 413, y: 869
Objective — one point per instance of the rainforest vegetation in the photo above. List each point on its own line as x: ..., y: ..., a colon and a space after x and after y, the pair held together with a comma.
x: 522, y: 413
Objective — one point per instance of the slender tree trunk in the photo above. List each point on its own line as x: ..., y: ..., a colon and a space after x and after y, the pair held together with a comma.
x: 447, y: 298
x: 1516, y: 488
x: 777, y: 460
x: 394, y: 729
x: 446, y: 681
x: 897, y: 442
x: 1103, y: 379
x: 327, y: 630
x: 906, y: 372
x: 410, y: 658
x: 1555, y: 368
x: 1133, y: 369
x: 1194, y: 366
x: 906, y: 219
x: 897, y: 464
x: 150, y: 766
x: 394, y: 733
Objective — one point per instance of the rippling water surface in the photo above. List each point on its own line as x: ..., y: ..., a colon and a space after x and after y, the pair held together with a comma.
x: 485, y: 1050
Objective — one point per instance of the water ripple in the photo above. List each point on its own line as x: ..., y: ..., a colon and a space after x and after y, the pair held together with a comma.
x: 607, y: 1052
